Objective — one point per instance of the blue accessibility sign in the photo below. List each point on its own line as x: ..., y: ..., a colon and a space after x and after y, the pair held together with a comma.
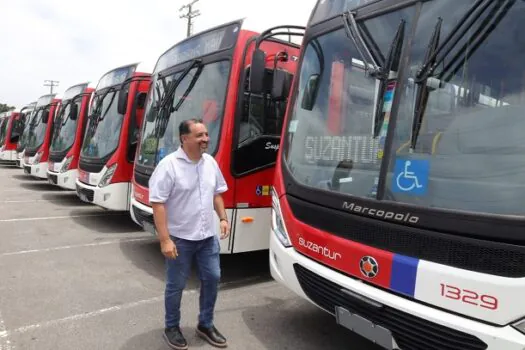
x: 411, y: 176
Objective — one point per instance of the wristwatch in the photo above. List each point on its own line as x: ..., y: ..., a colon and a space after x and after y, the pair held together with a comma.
x: 223, y: 219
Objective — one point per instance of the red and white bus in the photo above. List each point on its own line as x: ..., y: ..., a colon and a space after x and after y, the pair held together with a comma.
x: 398, y: 198
x: 9, y: 128
x: 208, y: 75
x: 70, y: 126
x: 39, y: 136
x: 26, y: 113
x: 106, y: 157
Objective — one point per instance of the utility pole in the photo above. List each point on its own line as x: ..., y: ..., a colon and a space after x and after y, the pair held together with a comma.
x: 51, y: 84
x: 191, y: 14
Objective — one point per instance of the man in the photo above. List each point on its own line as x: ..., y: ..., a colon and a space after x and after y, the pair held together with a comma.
x: 185, y: 188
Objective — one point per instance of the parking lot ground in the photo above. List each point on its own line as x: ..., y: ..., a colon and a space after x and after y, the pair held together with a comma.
x: 75, y: 276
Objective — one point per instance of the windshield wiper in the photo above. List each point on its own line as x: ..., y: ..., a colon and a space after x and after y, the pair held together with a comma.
x: 168, y: 95
x: 165, y: 108
x: 352, y: 31
x: 382, y: 72
x: 469, y: 18
x: 190, y: 87
x: 431, y: 57
x: 391, y: 65
x: 111, y: 89
x: 422, y: 88
x: 96, y: 115
x: 62, y: 112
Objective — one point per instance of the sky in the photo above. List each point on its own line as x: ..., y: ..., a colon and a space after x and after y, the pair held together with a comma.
x: 78, y: 41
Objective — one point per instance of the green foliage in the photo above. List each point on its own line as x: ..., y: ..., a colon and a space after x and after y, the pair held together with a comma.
x: 5, y: 108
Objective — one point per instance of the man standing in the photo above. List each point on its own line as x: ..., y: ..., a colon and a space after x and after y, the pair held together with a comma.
x: 185, y: 188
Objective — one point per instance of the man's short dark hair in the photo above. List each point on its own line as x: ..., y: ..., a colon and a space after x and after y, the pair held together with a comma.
x: 184, y: 126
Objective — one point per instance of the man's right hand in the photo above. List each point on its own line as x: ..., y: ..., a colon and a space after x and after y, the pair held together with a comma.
x: 168, y: 249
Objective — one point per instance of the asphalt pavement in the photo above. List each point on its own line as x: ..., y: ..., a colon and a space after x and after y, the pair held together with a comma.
x: 75, y: 276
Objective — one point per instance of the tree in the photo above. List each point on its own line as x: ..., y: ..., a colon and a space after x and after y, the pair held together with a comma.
x: 5, y: 108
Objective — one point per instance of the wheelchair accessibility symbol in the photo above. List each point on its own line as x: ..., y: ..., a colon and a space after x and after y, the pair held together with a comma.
x: 411, y: 176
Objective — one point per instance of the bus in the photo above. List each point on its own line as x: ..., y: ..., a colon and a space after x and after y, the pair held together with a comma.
x: 397, y: 200
x: 108, y: 149
x: 39, y: 136
x: 208, y: 75
x: 26, y: 114
x: 5, y: 122
x: 8, y: 138
x: 70, y: 126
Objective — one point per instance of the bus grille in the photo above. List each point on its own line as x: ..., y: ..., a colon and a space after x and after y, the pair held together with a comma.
x: 494, y: 258
x: 85, y: 194
x: 409, y: 331
x: 142, y: 216
x: 52, y: 179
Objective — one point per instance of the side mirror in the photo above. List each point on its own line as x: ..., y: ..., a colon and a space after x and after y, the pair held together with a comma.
x: 310, y: 92
x: 281, y: 84
x: 73, y: 113
x: 122, y: 100
x: 141, y: 100
x: 257, y: 71
x: 45, y: 116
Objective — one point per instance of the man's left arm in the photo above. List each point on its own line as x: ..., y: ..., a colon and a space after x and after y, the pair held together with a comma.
x: 218, y: 202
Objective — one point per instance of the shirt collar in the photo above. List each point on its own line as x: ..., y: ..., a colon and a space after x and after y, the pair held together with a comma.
x: 181, y: 154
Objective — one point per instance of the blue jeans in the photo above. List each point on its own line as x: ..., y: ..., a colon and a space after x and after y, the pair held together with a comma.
x: 206, y: 254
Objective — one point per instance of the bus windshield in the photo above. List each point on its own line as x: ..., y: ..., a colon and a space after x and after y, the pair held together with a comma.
x: 37, y: 129
x: 331, y: 143
x: 201, y: 93
x: 65, y: 126
x: 104, y: 125
x: 456, y: 141
x: 3, y: 130
x: 467, y: 153
x: 25, y: 132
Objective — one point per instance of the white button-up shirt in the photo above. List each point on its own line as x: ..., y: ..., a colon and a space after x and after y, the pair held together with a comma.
x: 187, y: 189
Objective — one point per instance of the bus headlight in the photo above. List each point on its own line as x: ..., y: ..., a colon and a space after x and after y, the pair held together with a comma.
x: 106, y: 179
x: 67, y: 163
x: 278, y: 227
x: 37, y: 158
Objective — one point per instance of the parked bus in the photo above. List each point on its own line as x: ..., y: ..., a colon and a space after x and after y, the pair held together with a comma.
x: 70, y: 126
x: 5, y: 124
x: 26, y: 114
x: 397, y: 201
x: 10, y: 132
x: 7, y: 120
x: 208, y: 76
x: 39, y: 136
x: 106, y: 157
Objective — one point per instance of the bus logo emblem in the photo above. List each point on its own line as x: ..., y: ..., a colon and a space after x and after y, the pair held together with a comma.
x: 369, y: 266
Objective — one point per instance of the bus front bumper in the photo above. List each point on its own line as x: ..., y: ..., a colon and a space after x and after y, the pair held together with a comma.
x: 112, y: 197
x: 410, y: 322
x: 65, y: 180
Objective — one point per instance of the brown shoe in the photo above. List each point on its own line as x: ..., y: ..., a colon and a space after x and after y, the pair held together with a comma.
x: 212, y: 336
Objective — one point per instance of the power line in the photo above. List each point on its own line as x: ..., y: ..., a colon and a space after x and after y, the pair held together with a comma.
x: 51, y: 84
x: 190, y: 15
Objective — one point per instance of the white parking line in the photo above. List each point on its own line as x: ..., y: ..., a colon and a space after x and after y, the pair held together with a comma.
x: 89, y: 314
x: 78, y: 246
x: 5, y: 343
x: 92, y: 314
x: 57, y: 217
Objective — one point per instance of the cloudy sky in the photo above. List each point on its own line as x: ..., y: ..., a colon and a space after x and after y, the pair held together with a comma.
x: 77, y: 41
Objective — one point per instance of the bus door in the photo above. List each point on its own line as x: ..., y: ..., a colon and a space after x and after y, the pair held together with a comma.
x: 257, y: 132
